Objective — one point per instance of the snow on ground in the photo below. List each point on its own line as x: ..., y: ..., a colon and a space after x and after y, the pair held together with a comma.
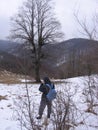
x: 13, y: 92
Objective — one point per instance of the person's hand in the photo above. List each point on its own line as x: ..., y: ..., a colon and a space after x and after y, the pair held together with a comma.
x: 41, y: 84
x: 42, y: 81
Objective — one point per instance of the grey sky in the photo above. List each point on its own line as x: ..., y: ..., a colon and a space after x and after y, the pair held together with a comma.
x: 64, y: 10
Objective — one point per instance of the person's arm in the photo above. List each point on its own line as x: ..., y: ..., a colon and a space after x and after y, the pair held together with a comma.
x: 41, y: 88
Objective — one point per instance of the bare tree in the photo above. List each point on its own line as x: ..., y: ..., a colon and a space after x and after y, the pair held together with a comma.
x: 36, y: 25
x: 86, y: 29
x: 89, y: 29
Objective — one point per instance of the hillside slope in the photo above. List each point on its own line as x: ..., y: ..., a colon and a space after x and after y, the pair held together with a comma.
x: 73, y: 57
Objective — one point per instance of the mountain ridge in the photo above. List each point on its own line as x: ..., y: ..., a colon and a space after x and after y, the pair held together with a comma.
x: 57, y: 58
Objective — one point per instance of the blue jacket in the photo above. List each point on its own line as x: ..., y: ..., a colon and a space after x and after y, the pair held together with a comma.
x: 44, y: 89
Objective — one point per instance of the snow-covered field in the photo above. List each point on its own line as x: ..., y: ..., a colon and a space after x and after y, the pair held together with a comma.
x: 76, y: 86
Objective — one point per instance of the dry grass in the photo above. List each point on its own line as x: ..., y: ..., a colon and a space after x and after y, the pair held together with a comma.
x: 9, y: 78
x: 3, y: 97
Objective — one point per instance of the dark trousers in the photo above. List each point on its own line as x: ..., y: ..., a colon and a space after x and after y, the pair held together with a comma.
x: 44, y: 102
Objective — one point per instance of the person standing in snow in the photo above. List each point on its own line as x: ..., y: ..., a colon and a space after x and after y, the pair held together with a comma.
x: 44, y: 101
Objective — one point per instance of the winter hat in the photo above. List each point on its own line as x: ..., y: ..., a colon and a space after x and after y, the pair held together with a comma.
x: 47, y: 80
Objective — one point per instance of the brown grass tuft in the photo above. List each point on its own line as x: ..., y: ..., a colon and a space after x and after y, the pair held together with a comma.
x: 3, y: 97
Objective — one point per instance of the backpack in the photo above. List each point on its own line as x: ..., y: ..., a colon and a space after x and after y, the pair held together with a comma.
x: 52, y: 92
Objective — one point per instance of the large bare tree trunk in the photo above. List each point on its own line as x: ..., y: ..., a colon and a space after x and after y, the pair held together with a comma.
x: 37, y: 72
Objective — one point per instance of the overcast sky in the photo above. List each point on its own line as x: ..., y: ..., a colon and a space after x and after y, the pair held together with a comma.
x: 64, y: 10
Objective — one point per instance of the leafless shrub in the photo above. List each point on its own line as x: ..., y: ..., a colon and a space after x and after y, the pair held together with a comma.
x: 91, y: 93
x: 25, y: 112
x: 64, y: 110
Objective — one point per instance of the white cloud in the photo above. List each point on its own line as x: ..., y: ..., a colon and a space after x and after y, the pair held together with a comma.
x: 4, y: 27
x: 8, y: 7
x: 64, y: 10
